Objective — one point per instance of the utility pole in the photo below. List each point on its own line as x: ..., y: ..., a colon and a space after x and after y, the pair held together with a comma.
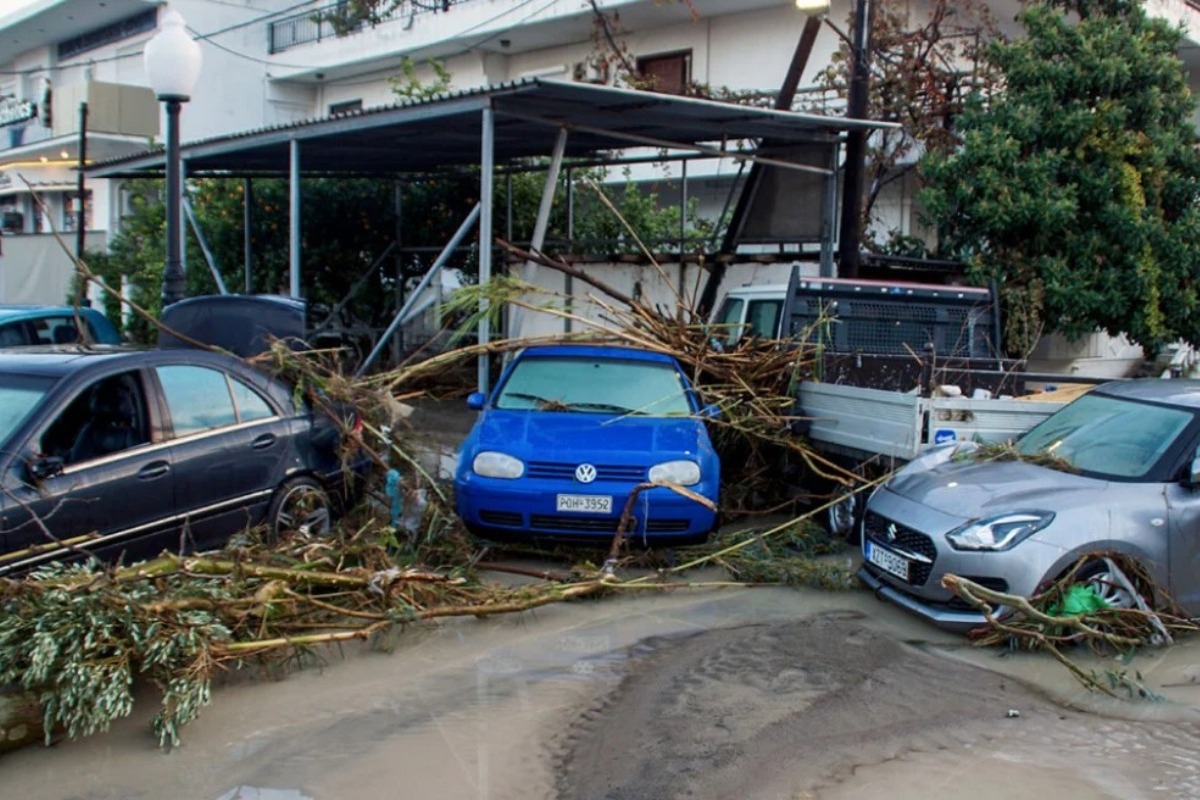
x: 850, y: 235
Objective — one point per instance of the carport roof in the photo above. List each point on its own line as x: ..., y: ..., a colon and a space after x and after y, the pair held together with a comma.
x: 423, y: 136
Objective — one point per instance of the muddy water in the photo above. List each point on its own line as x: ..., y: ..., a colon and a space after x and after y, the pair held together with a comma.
x: 702, y: 693
x: 458, y: 711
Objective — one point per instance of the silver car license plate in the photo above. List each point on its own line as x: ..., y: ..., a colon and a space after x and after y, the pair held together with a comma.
x: 586, y: 503
x: 889, y: 562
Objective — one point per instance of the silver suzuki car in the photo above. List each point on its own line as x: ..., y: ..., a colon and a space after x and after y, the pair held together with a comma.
x: 1014, y: 526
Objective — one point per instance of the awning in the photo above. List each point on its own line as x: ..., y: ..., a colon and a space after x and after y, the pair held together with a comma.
x: 427, y: 136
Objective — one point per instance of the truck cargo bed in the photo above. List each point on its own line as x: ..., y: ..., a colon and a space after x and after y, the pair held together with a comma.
x: 859, y: 422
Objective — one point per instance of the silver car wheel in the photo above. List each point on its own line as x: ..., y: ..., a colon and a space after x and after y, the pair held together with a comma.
x: 843, y: 514
x: 1104, y: 583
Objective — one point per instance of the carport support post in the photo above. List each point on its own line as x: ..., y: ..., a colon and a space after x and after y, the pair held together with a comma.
x: 827, y: 215
x: 294, y: 220
x: 247, y: 221
x: 486, y: 178
x: 543, y: 219
x: 683, y: 203
x: 569, y: 282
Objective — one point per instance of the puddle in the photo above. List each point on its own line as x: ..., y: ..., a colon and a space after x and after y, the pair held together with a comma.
x: 256, y: 793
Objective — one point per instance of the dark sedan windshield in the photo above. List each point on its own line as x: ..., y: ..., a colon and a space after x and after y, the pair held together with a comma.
x: 1108, y: 436
x: 595, y: 385
x: 19, y: 395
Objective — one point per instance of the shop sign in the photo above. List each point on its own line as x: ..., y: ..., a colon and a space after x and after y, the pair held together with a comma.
x: 13, y: 110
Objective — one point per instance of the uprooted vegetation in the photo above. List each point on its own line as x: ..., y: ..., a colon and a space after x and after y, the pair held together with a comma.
x: 74, y: 638
x: 1070, y: 613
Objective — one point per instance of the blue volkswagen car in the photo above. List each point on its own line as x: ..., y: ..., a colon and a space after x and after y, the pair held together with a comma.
x: 567, y: 435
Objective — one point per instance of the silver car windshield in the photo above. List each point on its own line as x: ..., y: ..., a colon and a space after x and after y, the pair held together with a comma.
x: 19, y: 395
x: 1109, y: 436
x: 594, y: 385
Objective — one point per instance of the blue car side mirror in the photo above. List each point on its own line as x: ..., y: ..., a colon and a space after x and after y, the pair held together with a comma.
x: 475, y: 401
x: 711, y: 411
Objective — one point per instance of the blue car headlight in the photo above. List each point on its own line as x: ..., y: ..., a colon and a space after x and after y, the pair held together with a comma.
x: 491, y: 464
x: 1000, y: 532
x: 684, y: 473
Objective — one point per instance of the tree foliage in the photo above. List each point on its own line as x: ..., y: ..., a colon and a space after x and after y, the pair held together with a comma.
x: 1076, y: 180
x: 346, y: 225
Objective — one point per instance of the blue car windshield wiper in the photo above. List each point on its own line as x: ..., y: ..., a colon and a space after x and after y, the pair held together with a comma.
x: 543, y: 403
x: 611, y: 407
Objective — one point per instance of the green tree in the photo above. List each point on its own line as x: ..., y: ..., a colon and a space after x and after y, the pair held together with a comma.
x: 1076, y: 181
x: 135, y: 256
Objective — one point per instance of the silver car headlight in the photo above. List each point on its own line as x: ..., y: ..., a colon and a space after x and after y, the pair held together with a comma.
x: 491, y: 464
x: 1000, y: 532
x: 684, y: 473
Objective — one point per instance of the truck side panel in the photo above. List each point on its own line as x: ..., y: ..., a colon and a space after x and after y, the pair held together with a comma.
x: 862, y: 422
x: 983, y: 419
x: 858, y: 422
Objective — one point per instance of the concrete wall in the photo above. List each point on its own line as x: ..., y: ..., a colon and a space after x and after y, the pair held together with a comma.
x: 36, y: 268
x: 591, y: 309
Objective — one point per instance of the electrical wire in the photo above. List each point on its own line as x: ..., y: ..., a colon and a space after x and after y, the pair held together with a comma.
x: 205, y: 37
x: 209, y: 38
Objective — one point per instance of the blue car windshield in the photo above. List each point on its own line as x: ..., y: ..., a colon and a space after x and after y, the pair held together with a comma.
x: 19, y: 395
x: 594, y: 385
x: 1108, y: 436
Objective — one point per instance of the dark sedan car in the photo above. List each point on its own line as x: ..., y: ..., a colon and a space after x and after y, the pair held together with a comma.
x: 154, y: 449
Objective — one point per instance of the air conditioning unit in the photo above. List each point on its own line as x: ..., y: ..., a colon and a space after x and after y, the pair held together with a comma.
x: 591, y: 72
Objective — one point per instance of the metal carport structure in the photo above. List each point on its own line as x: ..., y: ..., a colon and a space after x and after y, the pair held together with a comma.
x: 523, y: 119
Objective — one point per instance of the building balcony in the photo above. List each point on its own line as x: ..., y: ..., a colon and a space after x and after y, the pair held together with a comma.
x: 335, y: 41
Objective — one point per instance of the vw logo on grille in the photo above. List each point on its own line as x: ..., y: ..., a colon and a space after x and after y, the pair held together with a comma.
x: 585, y: 473
x: 892, y: 530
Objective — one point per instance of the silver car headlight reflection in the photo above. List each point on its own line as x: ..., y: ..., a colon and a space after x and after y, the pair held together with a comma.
x: 1000, y: 532
x: 684, y: 473
x: 491, y: 464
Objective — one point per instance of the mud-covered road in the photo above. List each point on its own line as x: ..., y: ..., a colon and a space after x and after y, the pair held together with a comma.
x: 705, y: 693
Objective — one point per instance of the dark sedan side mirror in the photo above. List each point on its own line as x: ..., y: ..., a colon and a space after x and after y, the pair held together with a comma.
x: 475, y: 401
x: 43, y: 467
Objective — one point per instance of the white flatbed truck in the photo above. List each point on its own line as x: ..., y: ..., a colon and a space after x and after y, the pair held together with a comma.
x: 882, y: 349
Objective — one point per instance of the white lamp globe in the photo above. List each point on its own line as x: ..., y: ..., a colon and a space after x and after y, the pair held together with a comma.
x: 172, y: 59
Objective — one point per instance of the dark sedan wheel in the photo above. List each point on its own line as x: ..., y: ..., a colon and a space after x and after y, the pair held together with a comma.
x: 300, y: 506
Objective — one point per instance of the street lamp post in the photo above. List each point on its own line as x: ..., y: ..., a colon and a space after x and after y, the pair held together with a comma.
x: 173, y: 65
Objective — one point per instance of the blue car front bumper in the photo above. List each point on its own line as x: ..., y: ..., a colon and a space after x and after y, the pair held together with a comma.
x: 503, y: 509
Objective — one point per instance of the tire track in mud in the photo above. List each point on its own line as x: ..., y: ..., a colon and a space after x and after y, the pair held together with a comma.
x: 825, y: 707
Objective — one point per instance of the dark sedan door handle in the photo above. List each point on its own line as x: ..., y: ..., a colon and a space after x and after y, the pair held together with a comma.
x: 155, y: 469
x: 263, y: 442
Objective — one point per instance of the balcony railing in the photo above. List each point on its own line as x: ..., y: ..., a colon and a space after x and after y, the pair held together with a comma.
x: 344, y: 18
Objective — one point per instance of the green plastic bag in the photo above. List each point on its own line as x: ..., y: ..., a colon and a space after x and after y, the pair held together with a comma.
x: 1080, y: 598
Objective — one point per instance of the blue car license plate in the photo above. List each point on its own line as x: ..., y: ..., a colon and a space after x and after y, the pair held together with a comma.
x: 586, y: 503
x: 889, y: 562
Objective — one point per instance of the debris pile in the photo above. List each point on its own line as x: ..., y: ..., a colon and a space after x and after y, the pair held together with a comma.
x: 1071, y: 613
